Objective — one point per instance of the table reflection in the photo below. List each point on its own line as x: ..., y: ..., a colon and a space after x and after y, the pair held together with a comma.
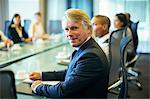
x: 25, y: 50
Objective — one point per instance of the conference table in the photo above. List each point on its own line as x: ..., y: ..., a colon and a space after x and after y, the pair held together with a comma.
x: 31, y: 57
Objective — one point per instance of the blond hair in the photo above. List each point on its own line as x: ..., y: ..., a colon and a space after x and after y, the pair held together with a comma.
x: 77, y: 15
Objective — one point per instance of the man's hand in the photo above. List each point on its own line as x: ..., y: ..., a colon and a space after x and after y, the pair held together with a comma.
x: 35, y: 76
x: 36, y: 83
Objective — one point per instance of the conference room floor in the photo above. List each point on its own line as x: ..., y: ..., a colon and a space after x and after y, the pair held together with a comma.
x: 143, y: 64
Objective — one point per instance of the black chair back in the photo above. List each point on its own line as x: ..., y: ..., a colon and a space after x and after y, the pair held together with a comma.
x: 7, y: 23
x: 114, y: 53
x: 7, y: 85
x: 55, y: 26
x: 123, y: 53
x: 27, y: 25
x: 134, y: 27
x: 116, y: 71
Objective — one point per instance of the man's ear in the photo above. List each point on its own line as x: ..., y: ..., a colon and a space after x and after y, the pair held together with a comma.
x: 105, y: 26
x: 90, y: 28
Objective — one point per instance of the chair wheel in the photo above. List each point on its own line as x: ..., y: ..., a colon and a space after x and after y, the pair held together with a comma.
x: 140, y: 88
x: 139, y: 85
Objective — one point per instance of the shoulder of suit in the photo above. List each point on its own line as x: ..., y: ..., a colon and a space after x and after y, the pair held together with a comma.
x: 93, y: 50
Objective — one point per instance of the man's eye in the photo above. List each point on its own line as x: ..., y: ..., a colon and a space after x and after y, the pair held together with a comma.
x: 74, y: 28
x: 66, y: 29
x: 94, y: 24
x: 71, y: 28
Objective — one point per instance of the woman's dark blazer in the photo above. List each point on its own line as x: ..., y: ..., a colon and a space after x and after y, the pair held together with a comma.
x: 14, y: 36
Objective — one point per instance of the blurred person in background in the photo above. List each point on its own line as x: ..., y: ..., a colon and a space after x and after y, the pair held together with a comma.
x: 128, y: 16
x: 133, y: 27
x: 16, y: 32
x: 36, y: 29
x: 121, y: 22
x: 101, y: 25
x: 4, y: 41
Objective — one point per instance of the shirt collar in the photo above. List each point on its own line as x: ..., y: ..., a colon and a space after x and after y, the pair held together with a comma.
x: 77, y: 48
x: 102, y: 39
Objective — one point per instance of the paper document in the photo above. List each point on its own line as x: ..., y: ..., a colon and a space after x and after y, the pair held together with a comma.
x: 50, y: 82
x: 28, y: 80
x: 64, y: 62
x: 44, y: 82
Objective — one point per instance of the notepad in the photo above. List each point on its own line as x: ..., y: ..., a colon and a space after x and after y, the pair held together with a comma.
x: 25, y: 86
x: 28, y: 81
x: 43, y: 82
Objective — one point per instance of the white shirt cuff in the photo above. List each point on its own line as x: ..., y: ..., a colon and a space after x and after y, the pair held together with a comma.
x: 34, y: 89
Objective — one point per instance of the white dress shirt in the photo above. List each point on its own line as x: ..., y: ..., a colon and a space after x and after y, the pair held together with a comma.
x: 36, y: 30
x: 103, y: 44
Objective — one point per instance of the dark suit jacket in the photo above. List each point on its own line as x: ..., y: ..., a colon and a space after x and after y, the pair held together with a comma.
x: 13, y: 35
x: 87, y: 75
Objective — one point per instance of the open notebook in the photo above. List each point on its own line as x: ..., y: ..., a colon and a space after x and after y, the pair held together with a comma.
x: 25, y: 86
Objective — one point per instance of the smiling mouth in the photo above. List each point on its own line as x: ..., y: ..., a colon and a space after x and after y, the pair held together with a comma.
x: 72, y: 40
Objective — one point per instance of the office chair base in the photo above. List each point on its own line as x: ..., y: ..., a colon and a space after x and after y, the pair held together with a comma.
x: 136, y: 83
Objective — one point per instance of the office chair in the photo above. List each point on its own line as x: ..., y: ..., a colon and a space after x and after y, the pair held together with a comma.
x: 134, y: 27
x: 7, y: 85
x: 55, y: 26
x: 125, y: 41
x: 133, y: 73
x: 27, y: 25
x: 7, y: 23
x: 115, y: 78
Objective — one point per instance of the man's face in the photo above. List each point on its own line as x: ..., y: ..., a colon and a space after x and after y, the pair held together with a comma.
x: 76, y: 33
x: 98, y: 29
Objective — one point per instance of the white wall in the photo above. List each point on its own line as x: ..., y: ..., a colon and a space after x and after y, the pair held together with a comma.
x: 26, y: 8
x: 108, y: 8
x: 139, y: 10
x: 56, y: 9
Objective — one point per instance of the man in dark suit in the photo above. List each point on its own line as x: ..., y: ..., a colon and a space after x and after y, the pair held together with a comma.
x: 88, y: 72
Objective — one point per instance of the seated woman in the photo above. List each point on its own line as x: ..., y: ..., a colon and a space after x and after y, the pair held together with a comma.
x: 16, y: 32
x: 122, y: 22
x: 36, y: 30
x: 4, y: 41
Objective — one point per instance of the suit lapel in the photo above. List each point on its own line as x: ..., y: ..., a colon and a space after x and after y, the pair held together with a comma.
x: 77, y: 55
x: 80, y: 52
